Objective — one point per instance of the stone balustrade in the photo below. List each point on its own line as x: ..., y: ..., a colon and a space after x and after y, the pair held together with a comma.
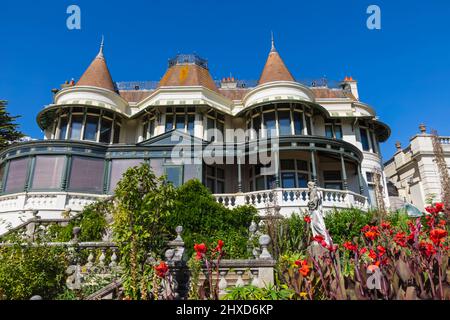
x: 291, y: 200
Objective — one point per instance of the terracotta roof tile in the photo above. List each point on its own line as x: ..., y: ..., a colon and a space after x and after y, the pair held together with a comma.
x: 275, y: 69
x: 97, y: 74
x: 234, y: 94
x: 135, y: 95
x: 188, y: 75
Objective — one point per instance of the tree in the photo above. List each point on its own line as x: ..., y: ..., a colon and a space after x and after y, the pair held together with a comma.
x: 8, y: 128
x: 142, y: 204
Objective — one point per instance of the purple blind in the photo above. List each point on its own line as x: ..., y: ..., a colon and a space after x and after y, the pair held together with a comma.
x: 48, y: 172
x: 118, y: 168
x: 17, y: 175
x: 86, y: 174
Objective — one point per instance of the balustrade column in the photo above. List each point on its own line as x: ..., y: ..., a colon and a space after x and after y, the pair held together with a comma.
x: 344, y: 173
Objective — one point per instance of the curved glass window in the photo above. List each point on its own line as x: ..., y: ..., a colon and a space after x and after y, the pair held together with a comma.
x: 86, y: 174
x: 214, y: 126
x: 105, y: 130
x: 17, y: 175
x: 281, y: 119
x: 48, y: 171
x: 63, y: 127
x: 90, y: 129
x: 76, y: 127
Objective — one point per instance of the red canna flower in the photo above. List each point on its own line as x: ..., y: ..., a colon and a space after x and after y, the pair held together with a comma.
x: 431, y: 210
x: 400, y: 239
x: 303, y: 267
x: 372, y: 234
x: 307, y: 219
x: 320, y: 239
x: 381, y: 250
x: 372, y: 254
x: 219, y: 247
x: 439, y: 206
x: 200, y: 249
x: 438, y: 236
x: 162, y: 269
x: 427, y: 249
x: 385, y: 225
x: 350, y: 246
x: 442, y: 223
x: 362, y: 251
x: 332, y: 248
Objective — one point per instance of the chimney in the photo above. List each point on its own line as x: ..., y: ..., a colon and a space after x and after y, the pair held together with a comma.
x: 398, y: 145
x: 228, y: 83
x: 350, y: 85
x: 422, y: 128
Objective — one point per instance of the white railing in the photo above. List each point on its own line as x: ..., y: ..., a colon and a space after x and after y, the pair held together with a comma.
x: 444, y: 140
x: 291, y: 200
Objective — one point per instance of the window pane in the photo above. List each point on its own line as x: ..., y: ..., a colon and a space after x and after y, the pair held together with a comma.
x: 270, y: 182
x: 338, y: 131
x: 152, y: 127
x: 302, y: 180
x: 372, y: 139
x: 329, y: 131
x: 75, y: 132
x: 179, y: 123
x: 116, y: 133
x: 260, y: 183
x: 210, y: 184
x: 48, y: 172
x: 364, y: 139
x: 145, y: 131
x: 269, y: 123
x: 220, y: 173
x: 287, y: 165
x: 302, y: 165
x: 118, y: 168
x: 333, y: 185
x: 86, y: 174
x: 331, y: 175
x: 63, y: 128
x: 288, y: 180
x: 284, y: 121
x: 90, y: 129
x: 105, y: 131
x: 308, y: 125
x: 220, y: 187
x: 169, y: 122
x: 17, y: 175
x: 209, y: 127
x: 191, y: 123
x: 173, y: 175
x: 298, y: 123
x: 257, y: 124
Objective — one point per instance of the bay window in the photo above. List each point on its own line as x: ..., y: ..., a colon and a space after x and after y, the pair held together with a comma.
x: 48, y: 172
x: 17, y: 175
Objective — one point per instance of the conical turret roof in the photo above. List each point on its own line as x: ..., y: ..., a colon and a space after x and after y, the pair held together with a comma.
x: 275, y: 69
x: 97, y: 74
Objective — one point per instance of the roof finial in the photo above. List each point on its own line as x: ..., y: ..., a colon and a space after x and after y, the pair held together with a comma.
x: 102, y: 44
x: 273, y: 42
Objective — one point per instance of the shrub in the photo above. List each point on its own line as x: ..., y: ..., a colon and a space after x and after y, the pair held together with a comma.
x: 206, y: 221
x: 29, y: 271
x: 347, y: 223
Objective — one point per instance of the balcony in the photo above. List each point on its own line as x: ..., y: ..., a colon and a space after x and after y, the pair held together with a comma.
x: 293, y: 200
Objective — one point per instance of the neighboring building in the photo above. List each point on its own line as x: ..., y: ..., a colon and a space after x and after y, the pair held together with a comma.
x: 95, y: 129
x: 412, y: 172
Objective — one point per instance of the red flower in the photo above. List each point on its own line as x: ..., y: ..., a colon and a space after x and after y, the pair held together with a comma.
x: 200, y: 249
x: 400, y: 239
x: 381, y: 250
x: 350, y: 246
x: 219, y: 247
x: 162, y: 269
x: 439, y: 206
x: 427, y: 249
x: 431, y: 210
x: 386, y: 225
x: 438, y: 236
x: 370, y: 232
x: 372, y: 254
x: 442, y: 223
x: 321, y: 240
x: 307, y: 219
x: 362, y: 251
x: 333, y: 248
x: 303, y: 267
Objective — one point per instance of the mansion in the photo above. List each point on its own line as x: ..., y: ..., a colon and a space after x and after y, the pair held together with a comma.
x: 95, y: 128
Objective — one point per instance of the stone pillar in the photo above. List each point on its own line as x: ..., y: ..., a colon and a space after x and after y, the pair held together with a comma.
x: 360, y: 180
x: 313, y: 165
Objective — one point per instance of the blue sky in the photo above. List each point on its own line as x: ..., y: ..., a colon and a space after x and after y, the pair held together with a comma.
x: 403, y: 69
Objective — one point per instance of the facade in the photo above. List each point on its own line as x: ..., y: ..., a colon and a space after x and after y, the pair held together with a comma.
x: 95, y: 129
x: 412, y: 172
